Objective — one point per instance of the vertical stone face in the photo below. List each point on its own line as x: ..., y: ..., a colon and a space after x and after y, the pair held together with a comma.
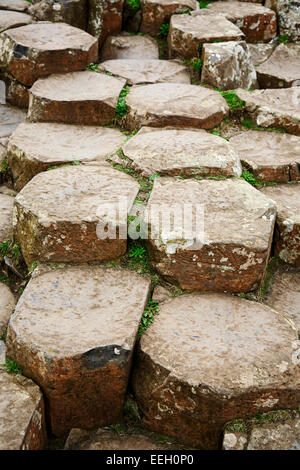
x: 73, y: 332
x: 288, y: 12
x: 6, y: 217
x: 105, y: 18
x: 7, y: 304
x: 73, y: 12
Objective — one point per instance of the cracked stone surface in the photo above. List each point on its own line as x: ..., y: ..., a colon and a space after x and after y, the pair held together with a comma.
x: 13, y: 19
x: 260, y: 52
x: 40, y: 49
x: 60, y: 215
x: 257, y: 22
x: 104, y: 18
x: 7, y: 304
x: 125, y: 46
x: 274, y: 107
x: 75, y: 98
x: 158, y: 12
x: 29, y: 152
x: 10, y: 118
x: 73, y: 12
x: 282, y: 69
x: 6, y: 217
x: 228, y: 65
x: 15, y: 5
x: 287, y: 229
x: 188, y: 32
x: 208, y: 358
x: 220, y: 239
x: 181, y: 152
x: 21, y: 414
x: 146, y: 71
x: 270, y: 156
x: 99, y: 311
x: 174, y: 104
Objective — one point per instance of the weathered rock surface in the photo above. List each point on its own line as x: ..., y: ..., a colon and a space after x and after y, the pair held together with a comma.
x: 61, y: 214
x: 29, y: 152
x: 282, y: 69
x: 21, y: 414
x: 75, y: 98
x: 6, y: 217
x: 7, y: 304
x: 13, y: 19
x: 288, y: 13
x: 158, y: 12
x: 228, y: 65
x: 16, y: 94
x: 274, y: 108
x: 73, y: 332
x: 174, y: 104
x: 181, y: 152
x: 284, y: 296
x: 73, y: 12
x: 187, y: 33
x: 220, y: 238
x: 14, y: 5
x: 260, y: 52
x: 208, y: 358
x: 40, y: 49
x: 146, y: 71
x: 105, y: 18
x: 287, y: 228
x: 10, y: 118
x: 125, y: 46
x: 270, y: 156
x: 257, y: 22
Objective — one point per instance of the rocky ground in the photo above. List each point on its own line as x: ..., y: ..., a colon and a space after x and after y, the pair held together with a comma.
x: 121, y: 124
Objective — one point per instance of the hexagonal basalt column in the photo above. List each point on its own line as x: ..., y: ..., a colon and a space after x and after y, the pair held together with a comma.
x: 74, y: 214
x: 73, y: 332
x: 127, y: 46
x: 210, y: 235
x: 282, y: 68
x: 210, y: 358
x: 73, y: 12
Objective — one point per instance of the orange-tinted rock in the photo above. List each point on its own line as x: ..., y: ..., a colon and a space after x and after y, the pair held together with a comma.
x: 74, y: 332
x: 40, y: 49
x: 282, y: 69
x: 16, y: 93
x: 13, y: 19
x: 73, y: 12
x: 105, y: 18
x: 126, y: 46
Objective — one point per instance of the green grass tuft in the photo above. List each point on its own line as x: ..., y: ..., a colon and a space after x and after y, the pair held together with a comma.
x: 122, y: 108
x: 12, y: 367
x: 148, y: 317
x: 233, y: 100
x: 164, y: 30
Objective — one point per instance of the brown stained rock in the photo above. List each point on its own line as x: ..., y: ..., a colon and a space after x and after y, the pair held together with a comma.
x: 125, y: 46
x: 10, y: 118
x: 74, y: 332
x: 188, y: 32
x: 40, y: 49
x: 282, y: 69
x: 181, y: 152
x: 29, y: 152
x: 7, y: 304
x: 284, y: 296
x: 257, y: 22
x: 13, y: 19
x: 86, y: 98
x: 22, y: 415
x: 158, y: 12
x: 270, y: 156
x: 260, y: 52
x: 209, y: 358
x: 6, y: 217
x: 274, y: 108
x: 287, y: 228
x: 14, y: 5
x: 174, y: 104
x: 288, y: 14
x: 219, y: 238
x: 228, y: 65
x: 73, y: 12
x: 137, y: 72
x: 105, y: 18
x: 61, y: 214
x: 16, y: 94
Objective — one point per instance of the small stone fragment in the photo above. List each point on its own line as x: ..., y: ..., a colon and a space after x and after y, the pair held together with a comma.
x: 160, y: 294
x: 125, y: 46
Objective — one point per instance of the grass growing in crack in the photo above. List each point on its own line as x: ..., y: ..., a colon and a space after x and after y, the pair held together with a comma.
x: 11, y: 249
x: 148, y: 317
x: 118, y: 429
x: 266, y: 282
x: 93, y: 67
x: 122, y: 108
x: 135, y: 5
x: 4, y: 166
x: 54, y: 167
x: 233, y: 100
x: 203, y: 4
x: 251, y: 179
x: 164, y: 30
x: 12, y: 367
x: 283, y: 39
x: 251, y: 125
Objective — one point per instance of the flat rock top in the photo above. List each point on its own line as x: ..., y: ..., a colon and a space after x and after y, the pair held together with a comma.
x: 76, y: 193
x: 284, y: 100
x: 287, y: 199
x: 276, y: 436
x: 283, y: 63
x: 6, y: 217
x: 146, y: 71
x: 19, y: 397
x: 7, y: 304
x: 236, y: 10
x: 163, y: 150
x: 11, y: 19
x: 16, y: 5
x: 68, y: 143
x: 176, y: 98
x: 190, y: 3
x: 79, y: 86
x: 65, y: 312
x: 207, y: 26
x: 234, y: 211
x: 277, y: 148
x: 51, y: 37
x: 222, y: 342
x: 129, y: 47
x: 285, y: 295
x: 10, y: 118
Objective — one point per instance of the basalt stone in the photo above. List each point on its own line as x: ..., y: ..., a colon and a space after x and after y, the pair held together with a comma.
x: 10, y: 118
x: 126, y: 46
x: 282, y: 69
x: 13, y: 19
x: 73, y: 332
x: 14, y: 5
x: 73, y: 12
x: 16, y: 93
x: 288, y: 13
x: 6, y: 217
x: 7, y: 304
x: 260, y: 52
x: 104, y: 18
